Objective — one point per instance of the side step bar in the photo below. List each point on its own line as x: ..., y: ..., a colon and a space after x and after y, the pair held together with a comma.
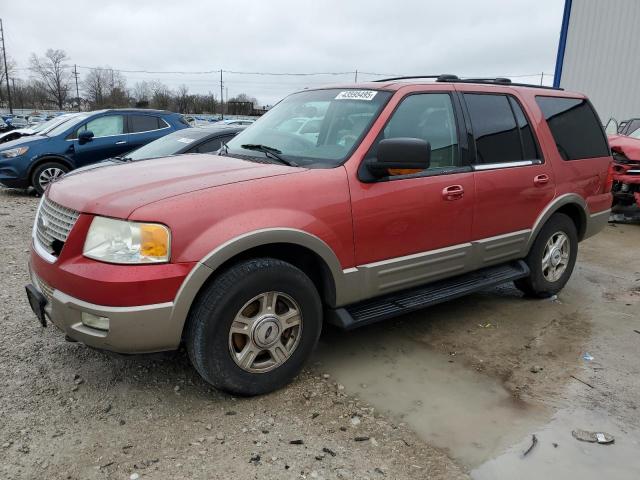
x: 399, y: 303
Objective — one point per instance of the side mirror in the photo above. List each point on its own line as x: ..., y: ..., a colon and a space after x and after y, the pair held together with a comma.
x: 85, y: 137
x: 400, y: 154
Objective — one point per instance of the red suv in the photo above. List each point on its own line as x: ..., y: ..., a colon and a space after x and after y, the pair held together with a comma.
x: 345, y: 205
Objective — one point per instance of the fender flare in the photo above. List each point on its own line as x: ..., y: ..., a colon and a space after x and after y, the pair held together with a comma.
x: 553, y: 207
x: 235, y: 246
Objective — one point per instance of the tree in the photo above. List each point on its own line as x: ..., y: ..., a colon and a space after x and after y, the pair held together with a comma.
x: 161, y: 96
x: 11, y: 66
x: 105, y: 87
x: 52, y: 73
x: 182, y: 99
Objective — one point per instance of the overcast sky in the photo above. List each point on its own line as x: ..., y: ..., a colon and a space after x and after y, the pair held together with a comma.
x: 466, y: 37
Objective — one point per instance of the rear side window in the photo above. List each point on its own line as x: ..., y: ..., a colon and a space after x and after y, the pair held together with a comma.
x: 575, y: 127
x: 500, y: 128
x: 145, y: 123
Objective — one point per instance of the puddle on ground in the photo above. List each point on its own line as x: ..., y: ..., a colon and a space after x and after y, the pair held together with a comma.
x: 468, y: 414
x: 570, y: 458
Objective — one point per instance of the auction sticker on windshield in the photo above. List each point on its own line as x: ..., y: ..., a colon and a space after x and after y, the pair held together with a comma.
x: 186, y: 140
x: 356, y: 95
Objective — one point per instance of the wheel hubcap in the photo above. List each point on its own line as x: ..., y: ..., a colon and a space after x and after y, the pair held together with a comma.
x: 265, y: 332
x: 555, y: 257
x: 48, y: 175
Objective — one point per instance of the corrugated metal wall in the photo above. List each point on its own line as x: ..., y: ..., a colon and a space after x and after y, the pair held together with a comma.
x: 602, y: 55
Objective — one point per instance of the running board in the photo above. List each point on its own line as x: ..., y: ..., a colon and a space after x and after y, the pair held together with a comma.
x: 381, y: 308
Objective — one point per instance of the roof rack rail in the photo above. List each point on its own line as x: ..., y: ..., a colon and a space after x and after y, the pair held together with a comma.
x: 445, y: 77
x: 440, y: 78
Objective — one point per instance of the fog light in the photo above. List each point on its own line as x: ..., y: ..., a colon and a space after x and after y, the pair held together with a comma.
x: 94, y: 321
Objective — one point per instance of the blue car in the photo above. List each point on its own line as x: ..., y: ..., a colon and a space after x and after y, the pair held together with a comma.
x: 37, y: 160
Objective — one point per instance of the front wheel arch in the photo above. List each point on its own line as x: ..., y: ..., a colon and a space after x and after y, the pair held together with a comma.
x: 49, y: 158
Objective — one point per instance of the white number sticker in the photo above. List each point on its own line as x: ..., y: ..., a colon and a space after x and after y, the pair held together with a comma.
x: 185, y: 140
x: 356, y: 95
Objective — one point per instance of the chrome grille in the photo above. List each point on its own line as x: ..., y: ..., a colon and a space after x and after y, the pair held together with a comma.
x: 54, y: 222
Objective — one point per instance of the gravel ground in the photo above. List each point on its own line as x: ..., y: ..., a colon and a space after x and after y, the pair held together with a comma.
x: 70, y: 412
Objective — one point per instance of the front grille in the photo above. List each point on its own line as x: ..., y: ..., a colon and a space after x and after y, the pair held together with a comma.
x: 53, y: 224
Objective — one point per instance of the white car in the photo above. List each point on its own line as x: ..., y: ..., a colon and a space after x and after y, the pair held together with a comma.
x: 38, y: 129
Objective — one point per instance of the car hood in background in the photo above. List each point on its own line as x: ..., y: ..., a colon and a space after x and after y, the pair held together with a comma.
x: 627, y: 146
x: 118, y: 190
x: 26, y: 141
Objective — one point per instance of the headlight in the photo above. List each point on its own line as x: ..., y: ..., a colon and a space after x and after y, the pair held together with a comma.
x: 14, y: 152
x: 120, y: 241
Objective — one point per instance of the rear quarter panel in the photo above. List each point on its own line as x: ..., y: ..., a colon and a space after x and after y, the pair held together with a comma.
x: 584, y: 177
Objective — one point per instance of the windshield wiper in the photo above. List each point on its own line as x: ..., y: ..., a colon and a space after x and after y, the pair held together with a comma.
x: 269, y: 152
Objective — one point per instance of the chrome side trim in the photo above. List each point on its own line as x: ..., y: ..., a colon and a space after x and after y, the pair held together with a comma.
x: 493, y: 166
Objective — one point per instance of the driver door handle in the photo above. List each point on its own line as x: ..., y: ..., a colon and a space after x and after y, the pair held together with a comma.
x: 121, y: 142
x: 453, y: 192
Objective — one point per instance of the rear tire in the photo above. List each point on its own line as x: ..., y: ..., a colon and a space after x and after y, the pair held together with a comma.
x: 251, y: 330
x: 551, y: 258
x: 46, y: 173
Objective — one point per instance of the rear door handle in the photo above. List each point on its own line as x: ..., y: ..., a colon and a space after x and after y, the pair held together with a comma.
x: 121, y: 142
x: 540, y: 180
x: 453, y: 192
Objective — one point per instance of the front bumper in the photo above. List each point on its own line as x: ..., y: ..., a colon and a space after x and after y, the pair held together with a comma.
x: 138, y: 329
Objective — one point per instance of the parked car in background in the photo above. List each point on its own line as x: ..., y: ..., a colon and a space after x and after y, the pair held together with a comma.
x: 3, y: 125
x: 38, y: 129
x: 626, y: 177
x: 415, y: 192
x: 189, y: 140
x: 18, y: 121
x: 37, y: 160
x: 36, y: 119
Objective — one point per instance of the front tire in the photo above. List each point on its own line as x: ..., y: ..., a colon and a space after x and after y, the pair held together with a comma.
x: 251, y: 330
x: 551, y: 258
x: 46, y: 173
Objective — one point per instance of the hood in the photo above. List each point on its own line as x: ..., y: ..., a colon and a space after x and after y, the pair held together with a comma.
x: 25, y: 140
x: 627, y: 146
x: 117, y: 190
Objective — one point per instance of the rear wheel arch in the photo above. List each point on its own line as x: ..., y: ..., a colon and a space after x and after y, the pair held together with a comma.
x: 569, y: 204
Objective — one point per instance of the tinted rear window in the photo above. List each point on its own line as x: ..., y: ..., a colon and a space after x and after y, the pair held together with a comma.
x: 144, y: 123
x: 575, y: 127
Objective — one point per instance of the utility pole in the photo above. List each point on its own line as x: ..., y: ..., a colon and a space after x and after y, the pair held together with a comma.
x: 75, y: 74
x: 356, y: 79
x: 6, y: 70
x: 221, y: 98
x: 541, y: 78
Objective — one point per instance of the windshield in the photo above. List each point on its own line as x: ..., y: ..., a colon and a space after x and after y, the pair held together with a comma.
x: 635, y: 133
x: 49, y: 124
x: 64, y: 126
x: 317, y: 127
x: 168, y: 145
